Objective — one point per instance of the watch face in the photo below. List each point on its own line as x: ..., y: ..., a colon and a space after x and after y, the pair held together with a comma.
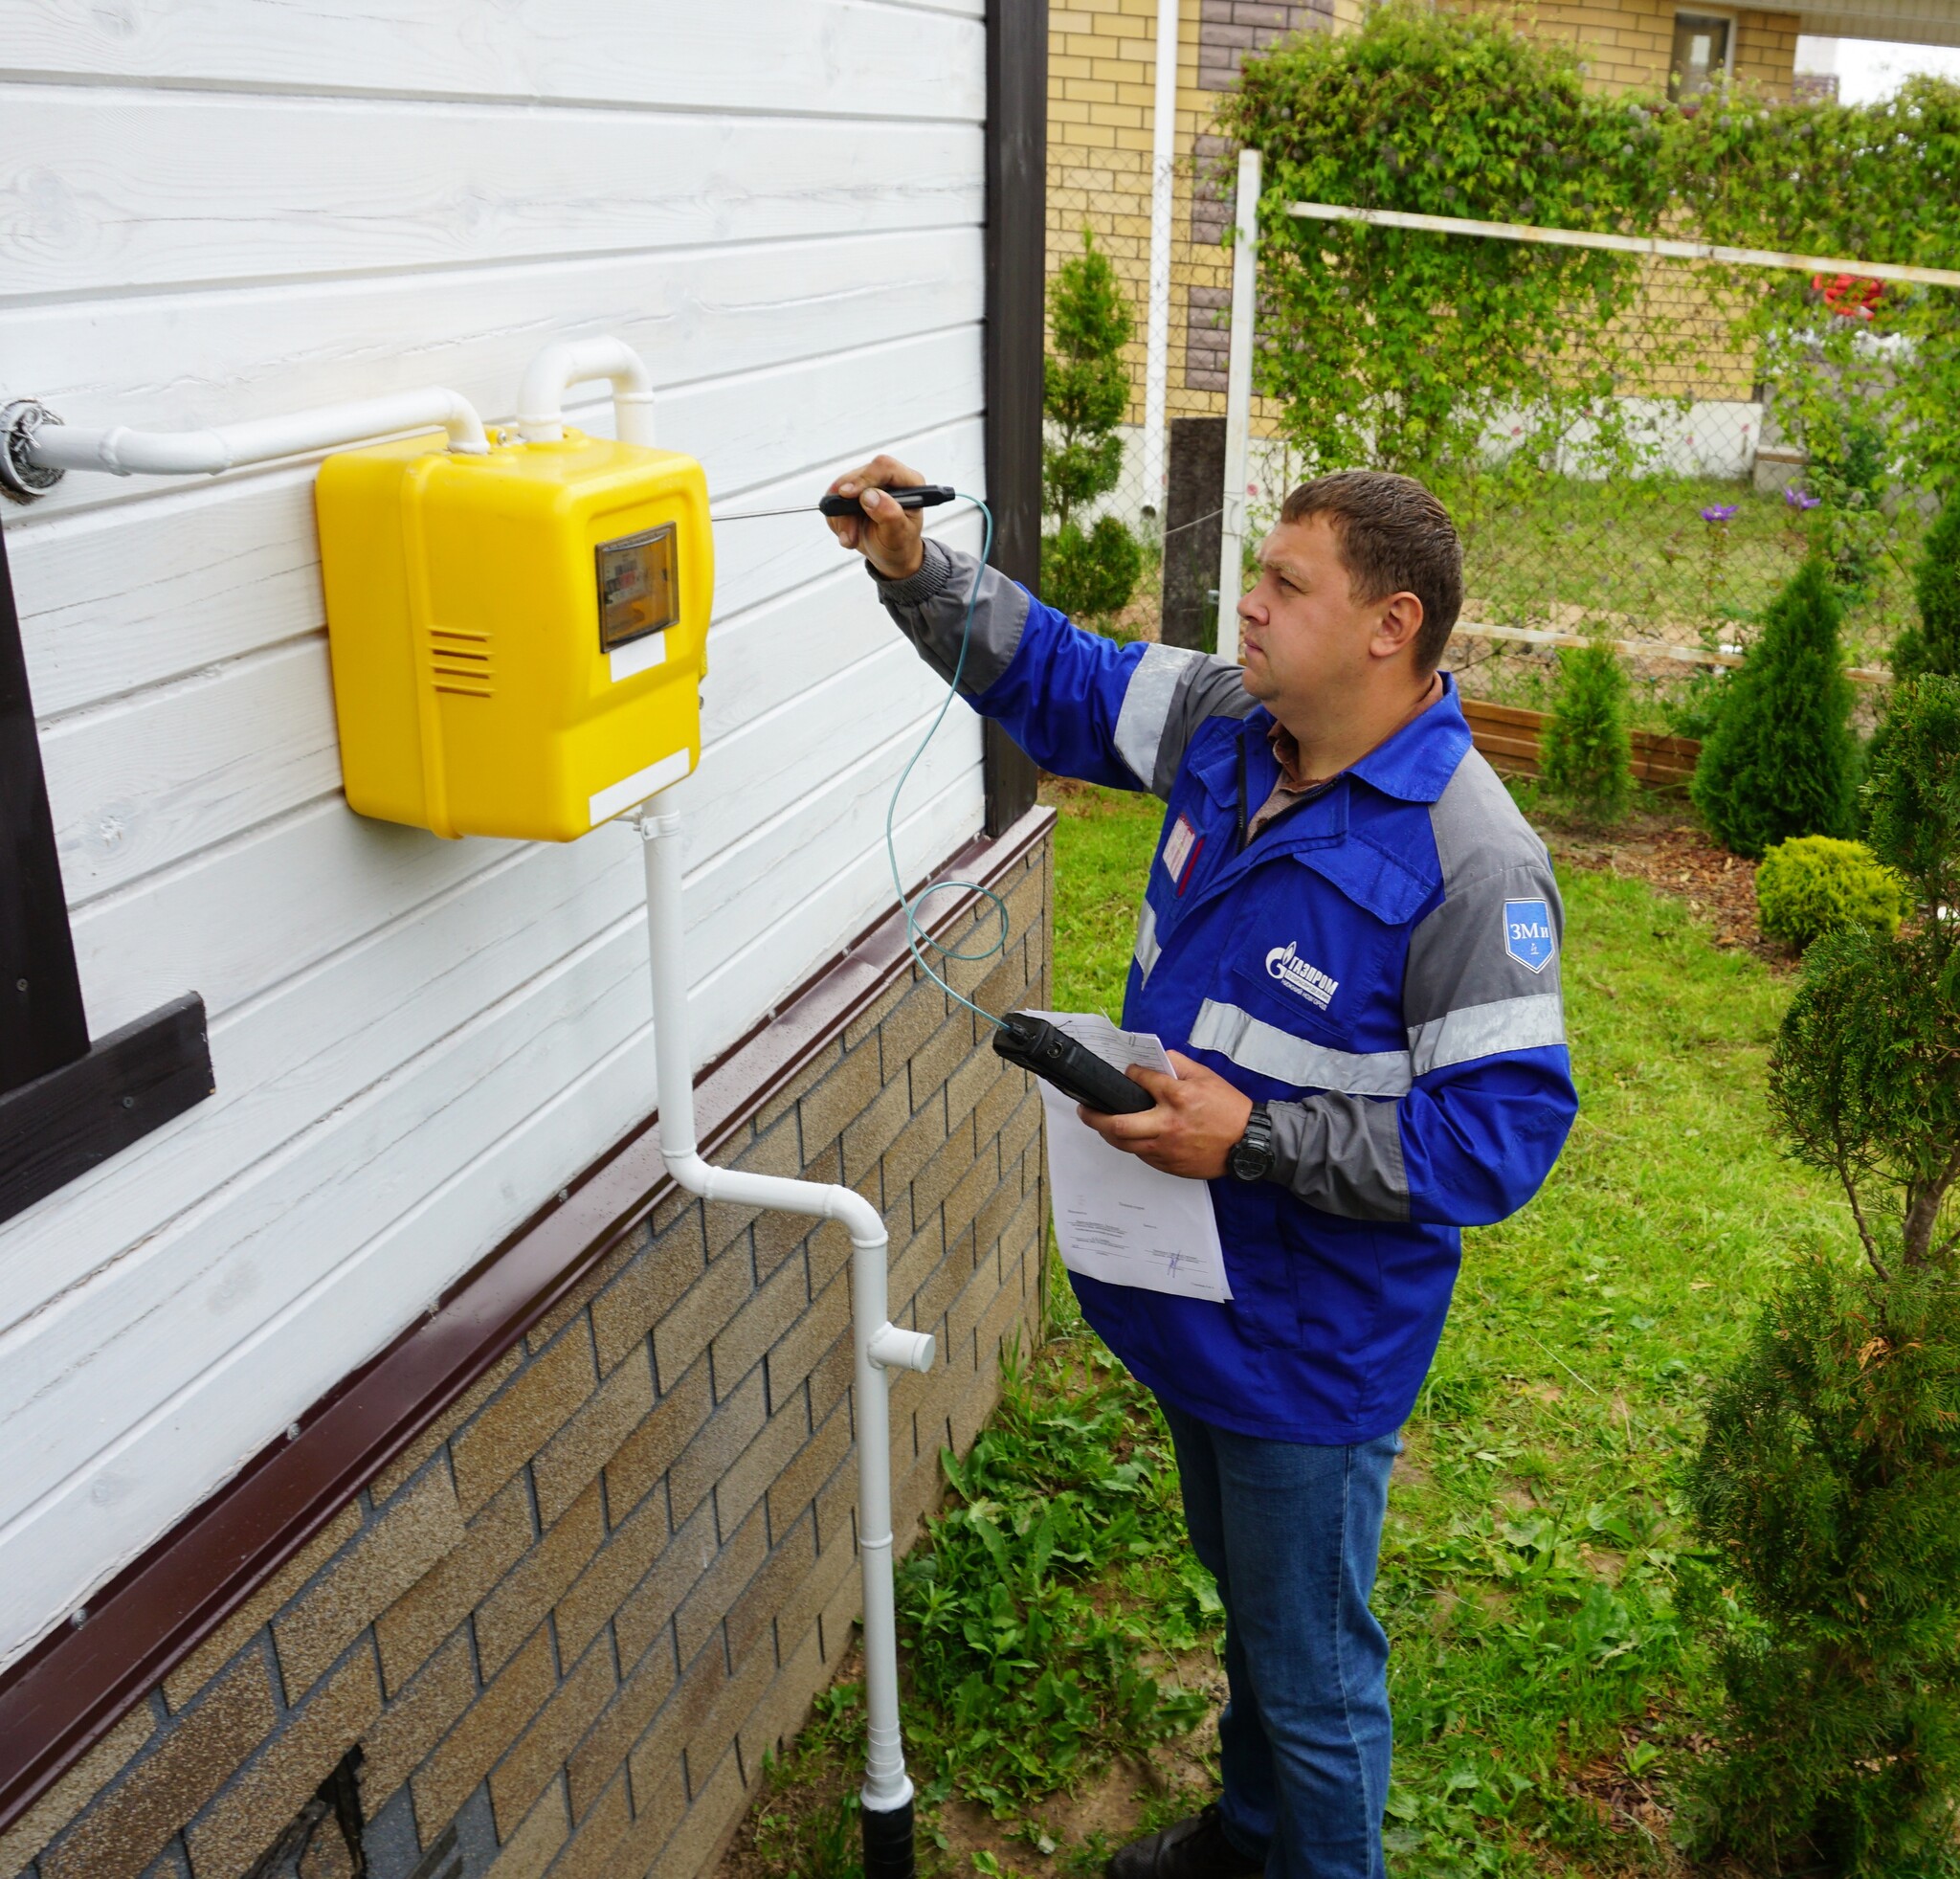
x: 1250, y: 1161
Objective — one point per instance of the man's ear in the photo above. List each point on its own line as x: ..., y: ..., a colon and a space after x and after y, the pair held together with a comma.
x: 1396, y: 626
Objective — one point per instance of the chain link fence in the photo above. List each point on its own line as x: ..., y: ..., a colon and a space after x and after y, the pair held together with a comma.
x: 1673, y: 542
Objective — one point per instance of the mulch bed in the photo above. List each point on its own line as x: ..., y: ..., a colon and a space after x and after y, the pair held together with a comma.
x: 1673, y: 857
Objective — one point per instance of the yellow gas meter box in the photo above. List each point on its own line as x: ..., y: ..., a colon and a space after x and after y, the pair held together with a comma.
x: 518, y: 639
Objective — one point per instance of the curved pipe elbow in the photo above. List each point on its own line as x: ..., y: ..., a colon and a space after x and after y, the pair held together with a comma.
x: 566, y: 363
x: 815, y: 1200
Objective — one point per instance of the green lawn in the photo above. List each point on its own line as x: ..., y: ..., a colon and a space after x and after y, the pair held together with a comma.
x: 1546, y: 1699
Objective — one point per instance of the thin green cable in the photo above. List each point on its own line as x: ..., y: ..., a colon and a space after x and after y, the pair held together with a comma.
x: 914, y: 933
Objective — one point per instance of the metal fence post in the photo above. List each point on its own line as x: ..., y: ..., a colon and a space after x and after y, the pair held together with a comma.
x: 1245, y: 251
x: 1157, y: 332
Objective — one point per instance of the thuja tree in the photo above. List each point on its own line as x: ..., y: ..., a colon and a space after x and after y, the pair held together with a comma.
x: 1585, y: 752
x: 1086, y: 394
x: 1933, y: 645
x: 1406, y: 350
x: 1780, y: 760
x: 1828, y: 1485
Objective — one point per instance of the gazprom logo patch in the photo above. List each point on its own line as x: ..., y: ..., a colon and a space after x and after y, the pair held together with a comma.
x: 1285, y: 964
x: 1527, y: 933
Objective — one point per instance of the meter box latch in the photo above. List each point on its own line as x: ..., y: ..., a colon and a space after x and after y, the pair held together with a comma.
x: 518, y: 639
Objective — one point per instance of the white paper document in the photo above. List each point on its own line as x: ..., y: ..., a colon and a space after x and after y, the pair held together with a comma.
x: 1116, y: 1217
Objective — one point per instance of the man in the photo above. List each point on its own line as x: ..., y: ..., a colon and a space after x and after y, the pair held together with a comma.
x: 1352, y: 934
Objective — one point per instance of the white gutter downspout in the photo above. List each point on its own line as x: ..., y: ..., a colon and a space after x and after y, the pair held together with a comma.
x: 1163, y: 177
x: 879, y: 1344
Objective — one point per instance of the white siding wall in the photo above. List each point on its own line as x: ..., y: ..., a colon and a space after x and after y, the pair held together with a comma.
x: 217, y: 209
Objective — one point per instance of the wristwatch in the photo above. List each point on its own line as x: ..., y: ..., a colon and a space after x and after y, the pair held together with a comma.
x: 1251, y: 1158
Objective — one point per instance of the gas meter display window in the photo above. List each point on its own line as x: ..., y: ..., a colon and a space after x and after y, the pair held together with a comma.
x: 638, y: 592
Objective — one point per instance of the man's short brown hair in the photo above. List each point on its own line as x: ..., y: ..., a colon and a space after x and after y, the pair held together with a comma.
x: 1393, y: 537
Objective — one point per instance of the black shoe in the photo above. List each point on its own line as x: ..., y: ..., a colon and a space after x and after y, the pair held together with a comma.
x: 1196, y: 1848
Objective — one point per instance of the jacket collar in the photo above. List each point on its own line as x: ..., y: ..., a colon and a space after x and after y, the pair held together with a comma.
x: 1415, y: 764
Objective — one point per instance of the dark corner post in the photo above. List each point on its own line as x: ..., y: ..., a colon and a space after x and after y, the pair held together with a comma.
x: 65, y: 1103
x: 1016, y: 249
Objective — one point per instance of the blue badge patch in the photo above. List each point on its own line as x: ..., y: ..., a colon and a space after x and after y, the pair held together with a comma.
x: 1527, y: 933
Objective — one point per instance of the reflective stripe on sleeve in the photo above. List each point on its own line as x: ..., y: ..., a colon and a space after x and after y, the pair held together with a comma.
x: 1147, y: 708
x: 1267, y: 1051
x: 1484, y: 1030
x: 1146, y: 947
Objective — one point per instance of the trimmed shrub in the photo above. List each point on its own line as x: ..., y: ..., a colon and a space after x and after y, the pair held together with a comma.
x: 1813, y: 885
x: 1933, y: 645
x: 1781, y: 760
x: 1093, y: 574
x: 1585, y: 753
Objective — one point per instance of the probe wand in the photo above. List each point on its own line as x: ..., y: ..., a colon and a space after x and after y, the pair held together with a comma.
x: 927, y: 496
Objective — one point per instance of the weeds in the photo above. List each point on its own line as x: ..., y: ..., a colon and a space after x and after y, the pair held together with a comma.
x: 1059, y: 1571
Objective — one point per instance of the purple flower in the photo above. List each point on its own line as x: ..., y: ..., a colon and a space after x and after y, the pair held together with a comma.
x: 1720, y: 511
x: 1798, y: 500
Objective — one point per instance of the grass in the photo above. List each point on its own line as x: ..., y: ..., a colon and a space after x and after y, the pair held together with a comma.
x: 1546, y: 1700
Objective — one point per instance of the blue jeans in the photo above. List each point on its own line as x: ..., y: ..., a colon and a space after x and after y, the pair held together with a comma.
x: 1291, y: 1533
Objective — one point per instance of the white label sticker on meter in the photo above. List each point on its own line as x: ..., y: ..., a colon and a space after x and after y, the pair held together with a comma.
x: 637, y: 786
x: 636, y: 657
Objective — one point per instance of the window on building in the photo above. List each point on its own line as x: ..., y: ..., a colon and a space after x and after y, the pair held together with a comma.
x: 1702, y: 43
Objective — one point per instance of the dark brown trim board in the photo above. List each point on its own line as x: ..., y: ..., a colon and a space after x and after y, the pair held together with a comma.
x: 44, y: 1025
x: 60, y: 1699
x: 1017, y: 247
x: 65, y: 1104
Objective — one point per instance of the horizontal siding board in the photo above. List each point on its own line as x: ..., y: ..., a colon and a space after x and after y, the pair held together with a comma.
x: 186, y: 360
x: 106, y: 1511
x: 794, y: 55
x: 148, y: 781
x: 131, y: 190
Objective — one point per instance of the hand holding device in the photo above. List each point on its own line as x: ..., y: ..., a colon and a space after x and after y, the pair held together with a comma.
x: 888, y: 535
x: 1192, y: 1127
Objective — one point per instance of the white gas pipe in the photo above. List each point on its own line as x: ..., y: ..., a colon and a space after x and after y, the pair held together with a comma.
x: 42, y: 448
x: 880, y: 1344
x: 37, y: 449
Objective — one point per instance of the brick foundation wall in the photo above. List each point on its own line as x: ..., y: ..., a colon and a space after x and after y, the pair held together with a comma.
x: 564, y: 1626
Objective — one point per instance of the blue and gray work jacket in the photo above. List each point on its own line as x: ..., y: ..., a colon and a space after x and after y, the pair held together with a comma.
x: 1379, y: 966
